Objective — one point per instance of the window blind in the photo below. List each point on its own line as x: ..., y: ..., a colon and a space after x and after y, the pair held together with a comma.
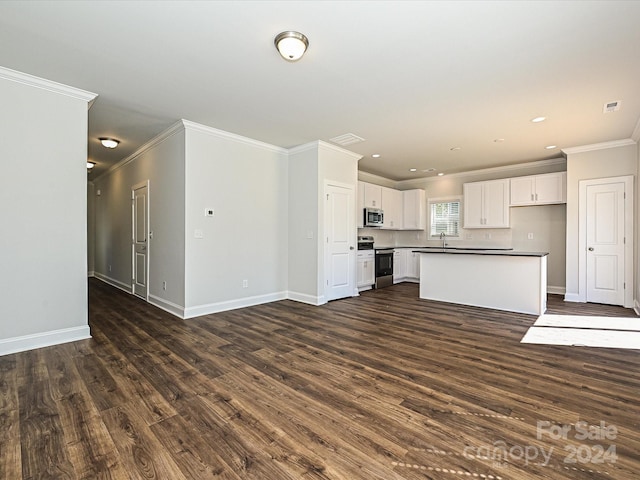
x: 445, y: 218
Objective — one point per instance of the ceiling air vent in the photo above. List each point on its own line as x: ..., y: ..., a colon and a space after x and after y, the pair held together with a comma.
x: 611, y: 107
x: 346, y: 139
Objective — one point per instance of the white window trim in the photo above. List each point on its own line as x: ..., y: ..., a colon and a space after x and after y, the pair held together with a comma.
x: 448, y: 198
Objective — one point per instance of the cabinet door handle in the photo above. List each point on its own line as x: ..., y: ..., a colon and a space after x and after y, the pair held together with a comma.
x: 590, y: 249
x: 532, y: 197
x: 536, y: 197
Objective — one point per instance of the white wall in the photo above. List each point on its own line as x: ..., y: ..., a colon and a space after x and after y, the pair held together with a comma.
x: 595, y: 163
x: 303, y: 224
x: 339, y: 167
x: 245, y: 182
x: 43, y: 206
x: 161, y: 162
x: 546, y: 223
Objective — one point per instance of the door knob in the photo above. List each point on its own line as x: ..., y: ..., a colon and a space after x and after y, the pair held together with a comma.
x: 591, y: 249
x: 350, y: 248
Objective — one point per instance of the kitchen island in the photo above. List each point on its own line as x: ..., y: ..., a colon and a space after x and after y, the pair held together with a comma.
x: 500, y: 279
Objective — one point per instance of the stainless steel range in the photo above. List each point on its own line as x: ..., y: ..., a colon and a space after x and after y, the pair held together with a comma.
x: 384, y: 267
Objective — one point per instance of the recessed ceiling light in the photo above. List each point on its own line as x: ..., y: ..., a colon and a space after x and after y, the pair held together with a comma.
x: 440, y: 174
x: 413, y: 169
x: 376, y: 155
x: 538, y: 119
x: 90, y: 165
x: 109, y: 142
x: 453, y: 149
x: 551, y: 147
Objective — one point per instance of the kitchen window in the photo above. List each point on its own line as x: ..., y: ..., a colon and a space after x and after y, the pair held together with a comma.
x: 445, y: 216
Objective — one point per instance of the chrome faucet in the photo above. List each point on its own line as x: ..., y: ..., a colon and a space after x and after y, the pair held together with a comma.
x: 443, y: 237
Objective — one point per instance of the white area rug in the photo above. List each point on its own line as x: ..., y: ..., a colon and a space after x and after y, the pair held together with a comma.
x: 607, y: 332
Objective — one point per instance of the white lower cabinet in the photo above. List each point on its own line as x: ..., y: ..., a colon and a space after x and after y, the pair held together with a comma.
x: 413, y: 265
x: 366, y: 269
x: 399, y: 265
x: 406, y: 265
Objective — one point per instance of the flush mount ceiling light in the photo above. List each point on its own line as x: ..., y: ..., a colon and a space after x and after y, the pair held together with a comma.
x: 109, y: 142
x: 538, y: 119
x: 376, y: 155
x: 90, y: 165
x: 291, y: 45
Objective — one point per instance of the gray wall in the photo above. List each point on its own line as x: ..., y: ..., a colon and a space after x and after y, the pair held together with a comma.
x: 43, y: 206
x: 245, y: 182
x: 162, y: 163
x: 602, y: 163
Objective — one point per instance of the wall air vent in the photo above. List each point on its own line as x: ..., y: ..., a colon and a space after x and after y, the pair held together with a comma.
x: 611, y: 107
x: 346, y: 139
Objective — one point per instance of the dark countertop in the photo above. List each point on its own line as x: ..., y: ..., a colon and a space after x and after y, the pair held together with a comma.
x: 472, y: 251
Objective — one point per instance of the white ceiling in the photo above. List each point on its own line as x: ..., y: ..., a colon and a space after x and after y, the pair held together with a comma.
x: 414, y: 79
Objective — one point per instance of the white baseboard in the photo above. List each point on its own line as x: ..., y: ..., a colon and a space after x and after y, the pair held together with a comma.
x: 113, y: 282
x: 91, y: 274
x: 306, y: 298
x: 191, y: 312
x: 44, y: 339
x: 556, y: 290
x: 167, y: 306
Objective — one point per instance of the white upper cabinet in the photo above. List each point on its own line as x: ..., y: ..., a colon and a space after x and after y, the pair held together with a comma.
x: 392, y: 208
x: 539, y: 189
x: 414, y: 205
x: 403, y: 210
x: 372, y: 195
x: 486, y: 204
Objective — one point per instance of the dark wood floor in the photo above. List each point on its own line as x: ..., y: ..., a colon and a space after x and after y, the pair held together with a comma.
x: 382, y: 386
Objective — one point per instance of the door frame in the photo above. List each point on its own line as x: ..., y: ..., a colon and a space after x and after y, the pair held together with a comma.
x: 144, y: 183
x: 628, y: 233
x: 324, y: 254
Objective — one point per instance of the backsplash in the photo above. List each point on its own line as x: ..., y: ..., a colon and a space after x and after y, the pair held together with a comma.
x: 487, y: 238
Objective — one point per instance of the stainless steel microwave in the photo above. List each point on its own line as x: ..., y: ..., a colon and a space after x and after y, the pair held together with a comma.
x: 373, y: 217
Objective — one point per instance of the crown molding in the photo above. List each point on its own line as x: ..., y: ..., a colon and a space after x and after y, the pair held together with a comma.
x: 599, y: 146
x: 505, y: 168
x: 335, y: 148
x: 172, y: 130
x: 189, y: 125
x: 305, y: 147
x: 49, y: 85
x: 376, y: 179
x: 635, y: 136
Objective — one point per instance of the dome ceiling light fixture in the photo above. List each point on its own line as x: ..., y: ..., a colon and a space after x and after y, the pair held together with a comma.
x: 291, y: 45
x: 109, y: 142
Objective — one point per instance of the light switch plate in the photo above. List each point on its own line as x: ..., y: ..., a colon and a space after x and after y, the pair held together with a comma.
x: 198, y: 233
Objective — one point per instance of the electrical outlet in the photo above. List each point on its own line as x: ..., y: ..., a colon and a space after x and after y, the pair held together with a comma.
x: 530, y: 236
x: 245, y: 283
x: 109, y: 267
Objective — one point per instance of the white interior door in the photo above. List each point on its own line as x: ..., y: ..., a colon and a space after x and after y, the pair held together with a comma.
x: 605, y: 242
x: 340, y: 235
x: 140, y: 247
